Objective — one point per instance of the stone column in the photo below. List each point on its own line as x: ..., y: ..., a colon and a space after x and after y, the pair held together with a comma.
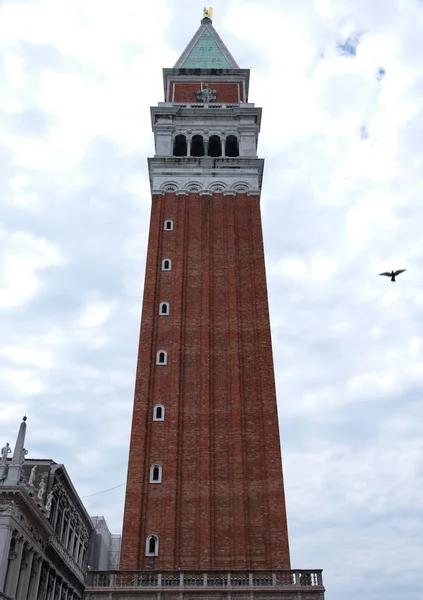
x: 60, y: 585
x: 26, y: 567
x: 76, y: 550
x: 43, y: 585
x: 223, y: 145
x: 14, y: 568
x: 62, y: 526
x: 65, y: 535
x: 70, y: 540
x: 34, y: 583
x: 84, y: 554
x: 51, y: 587
x: 5, y: 539
x: 188, y: 146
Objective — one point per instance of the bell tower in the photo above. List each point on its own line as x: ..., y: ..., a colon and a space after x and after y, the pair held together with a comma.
x: 205, y: 502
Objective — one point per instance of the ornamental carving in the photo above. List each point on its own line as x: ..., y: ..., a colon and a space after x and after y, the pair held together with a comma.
x: 170, y: 186
x: 218, y: 187
x: 241, y: 187
x: 206, y: 94
x: 211, y: 187
x: 193, y: 187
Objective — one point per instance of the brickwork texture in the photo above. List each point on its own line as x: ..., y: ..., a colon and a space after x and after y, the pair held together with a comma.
x: 187, y: 92
x: 221, y: 502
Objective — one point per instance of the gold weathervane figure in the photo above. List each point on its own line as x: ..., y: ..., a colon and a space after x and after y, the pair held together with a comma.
x: 207, y: 12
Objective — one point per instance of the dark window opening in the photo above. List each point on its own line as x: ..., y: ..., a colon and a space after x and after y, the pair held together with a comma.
x: 180, y: 146
x: 164, y: 309
x: 215, y: 146
x: 232, y: 148
x: 159, y: 412
x: 152, y: 545
x: 197, y: 146
x: 169, y: 225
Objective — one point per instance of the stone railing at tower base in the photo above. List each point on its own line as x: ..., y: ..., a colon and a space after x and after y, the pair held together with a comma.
x: 211, y: 585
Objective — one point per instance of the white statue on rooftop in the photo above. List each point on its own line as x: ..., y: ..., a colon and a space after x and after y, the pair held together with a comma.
x: 41, y: 489
x: 32, y: 475
x: 49, y: 501
x: 5, y: 451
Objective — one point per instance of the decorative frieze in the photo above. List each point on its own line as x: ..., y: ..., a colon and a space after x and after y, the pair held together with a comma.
x: 242, y: 175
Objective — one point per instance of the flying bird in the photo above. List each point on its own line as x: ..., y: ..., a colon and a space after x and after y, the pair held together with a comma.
x: 393, y: 274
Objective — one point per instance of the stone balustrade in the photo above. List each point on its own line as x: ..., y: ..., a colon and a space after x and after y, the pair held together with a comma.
x: 154, y: 580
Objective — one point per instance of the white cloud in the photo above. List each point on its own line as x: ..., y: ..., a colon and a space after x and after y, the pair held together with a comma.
x: 78, y: 79
x: 95, y: 313
x: 23, y: 255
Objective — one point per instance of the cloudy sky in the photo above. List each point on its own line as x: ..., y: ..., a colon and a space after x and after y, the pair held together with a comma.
x: 341, y: 84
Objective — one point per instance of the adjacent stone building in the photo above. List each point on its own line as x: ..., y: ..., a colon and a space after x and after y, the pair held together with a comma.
x: 44, y: 528
x: 104, y: 548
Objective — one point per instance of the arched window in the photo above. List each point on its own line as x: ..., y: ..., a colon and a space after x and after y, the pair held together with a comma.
x: 197, y: 146
x: 159, y: 412
x: 180, y: 146
x: 168, y: 225
x: 161, y: 358
x: 156, y: 474
x: 164, y: 308
x: 232, y: 148
x: 166, y: 264
x: 152, y: 546
x: 215, y: 146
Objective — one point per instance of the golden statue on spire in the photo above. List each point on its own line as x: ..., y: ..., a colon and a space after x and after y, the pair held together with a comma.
x: 207, y: 12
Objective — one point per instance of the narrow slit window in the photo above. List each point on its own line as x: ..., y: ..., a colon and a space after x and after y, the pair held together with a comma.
x: 168, y: 225
x: 164, y: 308
x: 161, y: 357
x: 152, y: 546
x: 156, y: 474
x: 158, y: 412
x: 166, y: 264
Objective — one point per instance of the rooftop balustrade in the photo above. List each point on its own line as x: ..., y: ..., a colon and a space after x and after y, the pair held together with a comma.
x: 283, y: 583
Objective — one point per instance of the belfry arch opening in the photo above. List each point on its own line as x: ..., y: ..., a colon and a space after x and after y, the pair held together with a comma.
x: 180, y: 146
x: 232, y: 147
x: 197, y: 146
x: 215, y: 146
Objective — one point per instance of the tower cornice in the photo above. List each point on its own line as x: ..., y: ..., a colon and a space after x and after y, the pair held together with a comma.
x: 205, y: 174
x: 206, y: 111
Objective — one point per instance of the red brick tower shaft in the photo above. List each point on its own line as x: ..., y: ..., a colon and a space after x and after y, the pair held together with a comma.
x: 205, y: 487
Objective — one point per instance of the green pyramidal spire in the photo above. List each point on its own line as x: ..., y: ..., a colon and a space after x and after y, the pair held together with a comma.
x: 206, y: 51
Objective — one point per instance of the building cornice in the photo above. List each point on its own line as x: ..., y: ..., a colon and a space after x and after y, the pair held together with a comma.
x: 205, y: 111
x: 205, y: 174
